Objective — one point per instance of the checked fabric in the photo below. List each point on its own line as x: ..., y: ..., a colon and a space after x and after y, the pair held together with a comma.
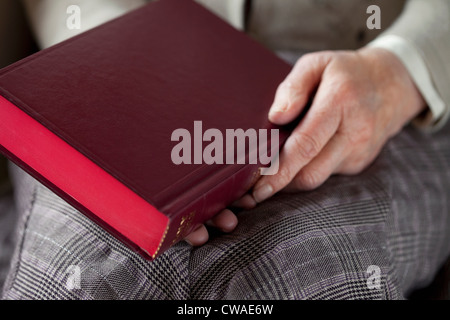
x: 310, y: 245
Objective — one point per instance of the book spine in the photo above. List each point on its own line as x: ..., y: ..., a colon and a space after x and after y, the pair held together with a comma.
x: 234, y: 183
x: 209, y: 204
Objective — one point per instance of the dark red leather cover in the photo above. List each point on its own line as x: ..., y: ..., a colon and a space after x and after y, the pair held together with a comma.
x: 116, y: 94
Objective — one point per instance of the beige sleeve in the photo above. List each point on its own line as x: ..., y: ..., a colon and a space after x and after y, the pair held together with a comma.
x: 48, y: 18
x: 421, y: 39
x: 232, y: 11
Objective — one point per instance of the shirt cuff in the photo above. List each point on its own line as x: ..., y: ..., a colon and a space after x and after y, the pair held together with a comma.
x: 438, y: 111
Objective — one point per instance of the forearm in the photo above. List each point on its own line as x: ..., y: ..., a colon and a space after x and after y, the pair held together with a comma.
x: 421, y: 40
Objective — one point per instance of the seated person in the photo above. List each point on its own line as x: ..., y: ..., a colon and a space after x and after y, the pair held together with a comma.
x: 359, y: 207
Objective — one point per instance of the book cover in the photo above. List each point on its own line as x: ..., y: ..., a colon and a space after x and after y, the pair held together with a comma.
x: 117, y: 121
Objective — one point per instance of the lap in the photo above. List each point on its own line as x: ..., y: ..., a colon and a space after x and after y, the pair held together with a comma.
x: 318, y: 244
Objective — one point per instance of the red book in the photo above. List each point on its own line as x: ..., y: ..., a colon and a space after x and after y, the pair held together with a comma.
x: 93, y: 118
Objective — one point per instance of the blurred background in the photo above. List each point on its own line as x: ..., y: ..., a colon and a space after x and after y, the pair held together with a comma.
x: 16, y: 42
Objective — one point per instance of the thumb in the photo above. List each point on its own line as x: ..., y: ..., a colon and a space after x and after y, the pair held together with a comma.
x: 295, y: 91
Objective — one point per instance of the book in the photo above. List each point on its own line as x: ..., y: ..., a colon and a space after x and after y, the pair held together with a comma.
x: 95, y: 119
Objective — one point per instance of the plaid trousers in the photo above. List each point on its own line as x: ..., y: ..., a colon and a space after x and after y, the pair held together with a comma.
x: 378, y: 235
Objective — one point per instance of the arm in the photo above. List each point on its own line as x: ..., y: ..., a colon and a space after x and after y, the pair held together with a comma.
x: 363, y: 98
x: 420, y: 39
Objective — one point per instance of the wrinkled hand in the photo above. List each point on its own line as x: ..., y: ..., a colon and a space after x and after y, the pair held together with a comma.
x: 360, y: 100
x: 363, y: 99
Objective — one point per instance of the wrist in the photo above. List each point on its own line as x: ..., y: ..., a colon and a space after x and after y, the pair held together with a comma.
x: 395, y: 83
x: 437, y: 111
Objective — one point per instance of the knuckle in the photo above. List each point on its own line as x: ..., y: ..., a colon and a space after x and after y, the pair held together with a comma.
x: 308, y: 180
x: 354, y: 166
x: 314, y: 59
x: 352, y: 169
x: 365, y: 131
x: 307, y: 146
x: 284, y: 85
x: 362, y: 132
x: 284, y: 177
x: 347, y: 88
x: 306, y: 58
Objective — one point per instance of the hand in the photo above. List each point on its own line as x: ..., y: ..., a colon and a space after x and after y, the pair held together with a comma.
x: 362, y: 98
x: 226, y: 221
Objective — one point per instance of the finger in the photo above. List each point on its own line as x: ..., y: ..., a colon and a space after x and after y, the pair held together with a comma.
x: 225, y: 221
x: 359, y: 160
x: 246, y: 202
x: 198, y: 237
x: 306, y: 141
x: 327, y: 163
x: 295, y: 91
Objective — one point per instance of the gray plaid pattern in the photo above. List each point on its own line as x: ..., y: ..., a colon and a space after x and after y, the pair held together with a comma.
x: 310, y: 245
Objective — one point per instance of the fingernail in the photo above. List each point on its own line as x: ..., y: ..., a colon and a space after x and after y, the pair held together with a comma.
x: 262, y: 193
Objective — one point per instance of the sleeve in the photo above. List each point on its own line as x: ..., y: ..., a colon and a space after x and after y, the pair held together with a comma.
x: 48, y: 18
x: 420, y: 38
x: 232, y: 11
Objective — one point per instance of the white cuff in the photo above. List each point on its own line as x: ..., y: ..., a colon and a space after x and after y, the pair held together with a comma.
x: 414, y: 63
